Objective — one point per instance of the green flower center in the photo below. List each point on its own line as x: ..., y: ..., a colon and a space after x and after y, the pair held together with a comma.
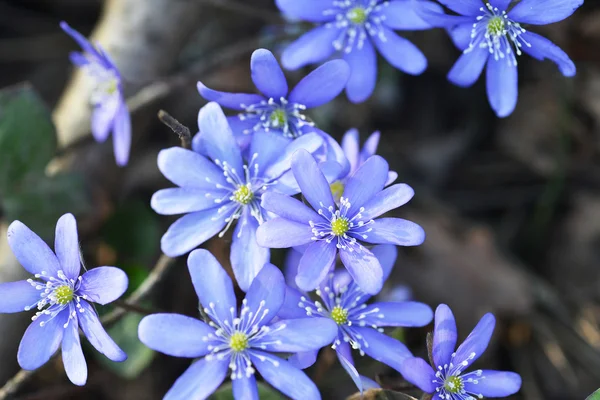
x: 495, y: 26
x: 238, y: 342
x: 337, y: 190
x: 278, y: 118
x: 243, y: 195
x: 63, y: 294
x: 339, y: 315
x: 454, y: 384
x: 357, y: 15
x: 340, y: 226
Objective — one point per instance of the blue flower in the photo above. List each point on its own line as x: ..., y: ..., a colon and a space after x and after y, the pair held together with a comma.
x: 489, y: 34
x: 61, y: 297
x: 332, y: 228
x: 359, y: 325
x: 276, y: 110
x: 234, y: 341
x: 110, y: 109
x: 217, y: 187
x: 447, y: 379
x: 353, y: 28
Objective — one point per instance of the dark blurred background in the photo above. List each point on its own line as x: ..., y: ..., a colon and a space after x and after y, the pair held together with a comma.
x: 511, y: 206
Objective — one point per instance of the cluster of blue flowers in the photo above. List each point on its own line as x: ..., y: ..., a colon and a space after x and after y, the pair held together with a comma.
x: 244, y: 174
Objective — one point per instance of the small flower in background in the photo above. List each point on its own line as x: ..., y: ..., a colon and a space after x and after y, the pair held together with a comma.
x: 110, y: 112
x: 332, y: 229
x: 353, y: 28
x: 62, y: 298
x: 491, y: 35
x: 276, y: 110
x: 218, y: 187
x: 234, y: 341
x: 356, y: 157
x: 447, y: 379
x: 359, y: 325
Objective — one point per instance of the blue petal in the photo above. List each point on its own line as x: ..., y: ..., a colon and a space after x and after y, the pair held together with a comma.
x: 310, y: 142
x: 291, y: 305
x: 407, y: 313
x: 265, y: 148
x: 281, y: 233
x: 311, y: 180
x: 468, y: 67
x: 370, y: 147
x: 386, y: 254
x: 392, y: 176
x: 461, y: 35
x: 191, y: 230
x: 396, y: 231
x: 444, y: 335
x: 493, y: 383
x: 200, y: 380
x: 418, y: 372
x: 476, y: 343
x: 383, y: 348
x: 31, y: 251
x: 78, y: 59
x: 502, y: 86
x: 388, y: 199
x: 308, y: 10
x: 176, y: 335
x: 314, y: 46
x: 266, y: 294
x: 288, y: 207
x: 186, y: 168
x: 364, y: 268
x: 81, y: 40
x: 284, y: 377
x: 401, y: 14
x: 351, y: 147
x: 290, y: 267
x: 296, y: 335
x: 464, y: 7
x: 242, y: 128
x: 365, y: 183
x: 18, y: 295
x: 184, y: 200
x: 102, y: 120
x: 501, y: 5
x: 212, y: 284
x: 542, y: 12
x: 304, y: 359
x: 542, y: 48
x: 247, y: 257
x: 315, y: 264
x: 66, y: 246
x: 322, y: 85
x: 235, y: 101
x: 245, y: 388
x: 345, y: 357
x: 437, y: 18
x: 216, y: 137
x: 363, y: 72
x: 400, y: 52
x: 103, y: 285
x: 333, y: 155
x: 72, y: 355
x: 39, y: 343
x: 267, y: 74
x: 97, y: 336
x: 122, y: 135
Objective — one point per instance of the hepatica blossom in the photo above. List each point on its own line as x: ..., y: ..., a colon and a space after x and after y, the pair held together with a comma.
x: 360, y: 326
x: 448, y: 379
x: 276, y: 110
x: 61, y: 298
x: 219, y: 187
x: 240, y: 342
x: 330, y: 229
x: 492, y: 35
x: 354, y: 28
x: 110, y: 112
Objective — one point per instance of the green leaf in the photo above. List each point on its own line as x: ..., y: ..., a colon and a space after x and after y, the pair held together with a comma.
x: 265, y: 392
x: 594, y: 396
x: 27, y: 135
x: 124, y: 333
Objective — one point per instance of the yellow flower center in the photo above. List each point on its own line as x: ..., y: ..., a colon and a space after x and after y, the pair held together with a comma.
x: 339, y: 315
x: 495, y: 26
x: 337, y: 190
x: 238, y: 342
x: 278, y: 118
x: 63, y: 294
x: 357, y: 15
x: 243, y: 195
x: 454, y: 384
x: 340, y: 226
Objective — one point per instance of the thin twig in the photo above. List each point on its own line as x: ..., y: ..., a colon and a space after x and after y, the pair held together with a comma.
x: 181, y: 130
x: 266, y: 15
x: 133, y: 307
x: 158, y: 273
